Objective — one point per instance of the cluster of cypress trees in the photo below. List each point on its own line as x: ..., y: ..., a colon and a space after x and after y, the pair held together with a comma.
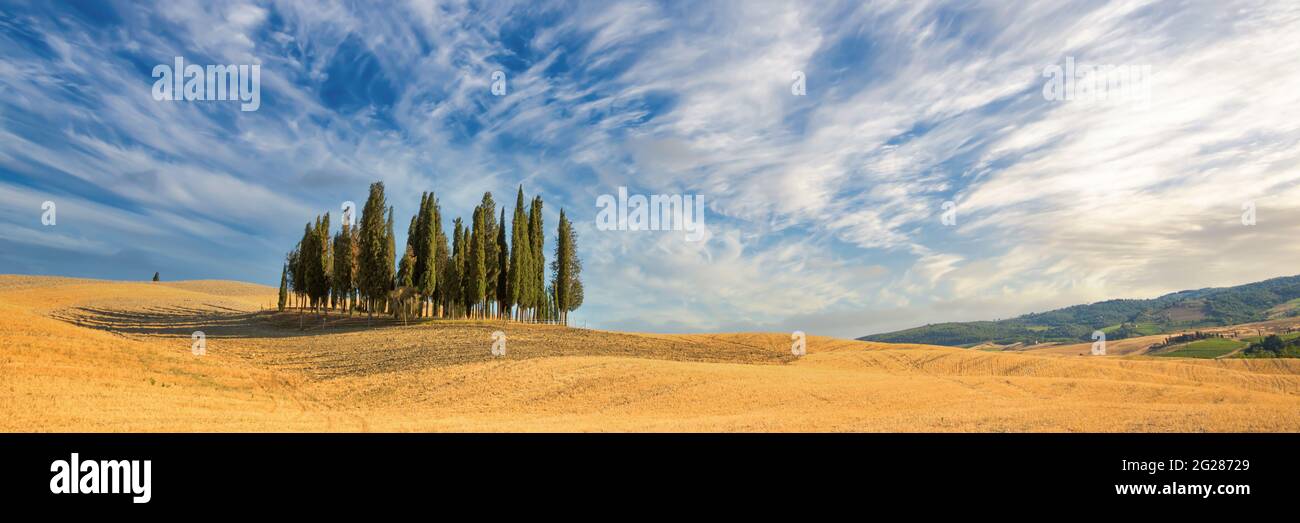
x: 475, y: 273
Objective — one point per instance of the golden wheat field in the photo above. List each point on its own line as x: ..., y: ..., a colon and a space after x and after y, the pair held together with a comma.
x: 89, y: 355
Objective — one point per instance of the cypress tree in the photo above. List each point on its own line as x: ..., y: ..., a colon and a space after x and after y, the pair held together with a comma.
x: 477, y: 262
x: 549, y: 310
x: 442, y: 259
x: 390, y: 258
x: 519, y: 253
x: 537, y: 256
x: 284, y: 287
x: 323, y: 262
x: 565, y: 270
x: 491, y: 270
x: 413, y: 244
x: 412, y: 240
x: 299, y: 267
x: 503, y: 268
x: 406, y: 268
x: 374, y: 264
x: 355, y: 253
x: 426, y: 255
x: 310, y: 259
x: 454, y: 291
x: 463, y: 270
x: 293, y: 260
x: 343, y: 262
x: 403, y: 297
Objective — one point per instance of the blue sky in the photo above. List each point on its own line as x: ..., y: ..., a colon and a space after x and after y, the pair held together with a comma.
x: 824, y: 210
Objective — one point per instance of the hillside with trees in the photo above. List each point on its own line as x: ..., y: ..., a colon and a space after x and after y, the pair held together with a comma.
x: 473, y: 274
x: 1119, y: 319
x: 1274, y: 346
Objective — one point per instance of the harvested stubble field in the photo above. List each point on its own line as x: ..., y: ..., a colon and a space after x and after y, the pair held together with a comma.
x: 88, y: 355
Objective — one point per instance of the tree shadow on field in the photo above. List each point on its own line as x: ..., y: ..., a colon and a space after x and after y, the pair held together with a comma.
x: 218, y: 322
x: 322, y: 345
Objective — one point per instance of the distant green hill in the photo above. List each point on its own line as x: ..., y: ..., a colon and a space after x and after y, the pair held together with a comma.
x: 1212, y: 307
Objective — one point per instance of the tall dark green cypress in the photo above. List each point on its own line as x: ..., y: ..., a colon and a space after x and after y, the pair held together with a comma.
x: 323, y: 263
x: 416, y: 238
x: 490, y: 268
x: 537, y: 256
x: 402, y: 300
x: 503, y: 268
x: 406, y: 268
x: 344, y: 271
x: 291, y: 260
x: 374, y: 261
x: 426, y: 250
x: 478, y: 263
x: 465, y: 277
x: 310, y: 259
x: 455, y: 285
x: 284, y: 287
x: 390, y: 259
x: 519, y: 255
x: 442, y: 258
x: 301, y: 256
x: 411, y: 241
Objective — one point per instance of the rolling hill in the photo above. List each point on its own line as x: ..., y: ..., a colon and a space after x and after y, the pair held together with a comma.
x: 1120, y: 319
x: 104, y: 356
